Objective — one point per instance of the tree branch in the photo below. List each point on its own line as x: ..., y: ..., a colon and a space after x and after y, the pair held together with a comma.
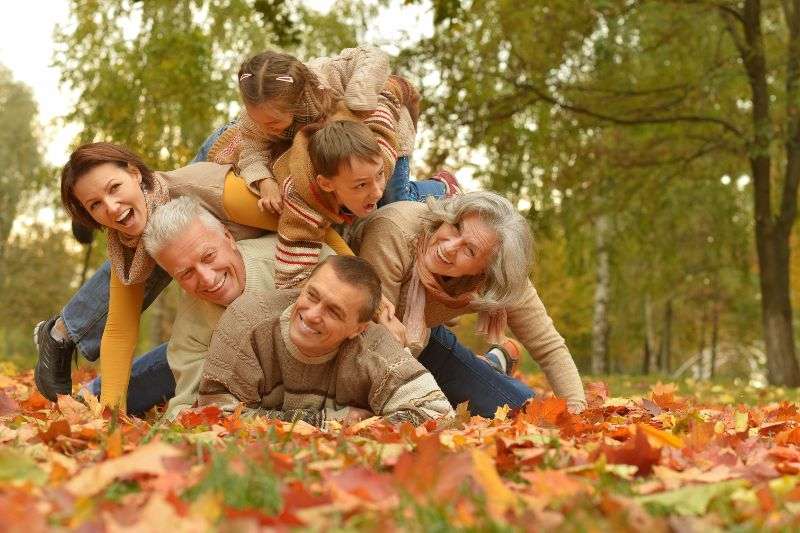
x: 544, y: 95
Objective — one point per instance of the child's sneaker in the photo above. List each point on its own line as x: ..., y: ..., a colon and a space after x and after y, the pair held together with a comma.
x: 451, y: 185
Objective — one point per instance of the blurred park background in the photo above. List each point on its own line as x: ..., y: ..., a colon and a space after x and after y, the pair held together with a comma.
x: 653, y: 145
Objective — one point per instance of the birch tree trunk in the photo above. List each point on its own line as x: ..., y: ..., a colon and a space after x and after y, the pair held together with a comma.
x: 601, y: 293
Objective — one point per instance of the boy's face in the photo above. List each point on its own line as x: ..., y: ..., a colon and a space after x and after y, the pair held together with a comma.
x: 357, y: 186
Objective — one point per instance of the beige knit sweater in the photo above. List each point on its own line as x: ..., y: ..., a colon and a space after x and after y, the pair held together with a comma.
x: 252, y: 360
x: 388, y: 239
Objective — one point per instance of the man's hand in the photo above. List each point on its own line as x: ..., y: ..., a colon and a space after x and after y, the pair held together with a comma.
x: 354, y: 415
x: 270, y: 196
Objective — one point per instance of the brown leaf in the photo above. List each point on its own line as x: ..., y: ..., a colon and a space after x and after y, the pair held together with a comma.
x: 8, y: 405
x: 596, y: 394
x: 147, y: 459
x: 56, y: 428
x: 544, y: 412
x: 74, y: 411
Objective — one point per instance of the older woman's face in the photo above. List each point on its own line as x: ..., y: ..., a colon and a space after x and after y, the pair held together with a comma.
x: 462, y: 249
x: 113, y: 197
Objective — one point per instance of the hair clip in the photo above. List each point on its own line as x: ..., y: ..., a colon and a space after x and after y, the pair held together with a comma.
x: 287, y: 79
x: 245, y: 76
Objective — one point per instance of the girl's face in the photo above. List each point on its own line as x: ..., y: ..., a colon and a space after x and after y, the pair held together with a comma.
x: 271, y: 117
x: 461, y: 249
x: 113, y: 197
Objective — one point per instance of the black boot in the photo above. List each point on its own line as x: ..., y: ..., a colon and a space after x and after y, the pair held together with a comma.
x: 52, y: 372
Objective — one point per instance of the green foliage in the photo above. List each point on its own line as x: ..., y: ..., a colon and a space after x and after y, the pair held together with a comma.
x: 22, y: 171
x: 241, y: 482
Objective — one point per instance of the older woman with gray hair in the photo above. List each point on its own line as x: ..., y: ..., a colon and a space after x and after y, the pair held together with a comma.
x: 471, y: 253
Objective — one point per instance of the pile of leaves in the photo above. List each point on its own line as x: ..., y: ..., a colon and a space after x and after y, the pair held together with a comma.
x: 659, y: 462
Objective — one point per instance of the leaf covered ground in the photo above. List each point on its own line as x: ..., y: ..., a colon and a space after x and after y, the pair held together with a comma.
x: 686, y: 457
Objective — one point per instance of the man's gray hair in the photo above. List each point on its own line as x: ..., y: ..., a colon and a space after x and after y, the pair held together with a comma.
x: 167, y: 222
x: 506, y: 274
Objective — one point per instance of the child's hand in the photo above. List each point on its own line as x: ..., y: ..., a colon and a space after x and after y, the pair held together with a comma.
x: 270, y: 196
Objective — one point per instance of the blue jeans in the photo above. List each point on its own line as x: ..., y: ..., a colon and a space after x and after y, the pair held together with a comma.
x: 202, y: 155
x: 464, y: 377
x: 400, y: 186
x: 461, y: 375
x: 85, y: 319
x: 151, y: 383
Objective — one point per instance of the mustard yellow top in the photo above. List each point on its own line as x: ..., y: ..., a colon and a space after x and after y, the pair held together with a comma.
x: 125, y: 301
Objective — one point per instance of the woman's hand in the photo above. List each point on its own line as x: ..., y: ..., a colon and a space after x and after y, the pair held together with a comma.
x: 270, y: 196
x: 385, y: 316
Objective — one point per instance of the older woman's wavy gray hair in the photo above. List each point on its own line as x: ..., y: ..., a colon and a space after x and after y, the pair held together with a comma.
x: 168, y: 222
x: 507, y: 271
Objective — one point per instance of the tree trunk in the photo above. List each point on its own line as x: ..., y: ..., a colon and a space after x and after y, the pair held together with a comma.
x: 664, y: 354
x: 773, y: 226
x: 649, y: 337
x: 776, y: 309
x: 701, y: 360
x: 714, y: 334
x: 600, y: 320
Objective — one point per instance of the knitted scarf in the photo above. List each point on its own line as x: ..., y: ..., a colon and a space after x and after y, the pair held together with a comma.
x: 128, y: 257
x: 455, y: 294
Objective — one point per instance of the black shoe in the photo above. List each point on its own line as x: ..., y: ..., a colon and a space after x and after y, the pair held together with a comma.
x: 52, y: 373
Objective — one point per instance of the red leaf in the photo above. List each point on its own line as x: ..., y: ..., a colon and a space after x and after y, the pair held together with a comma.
x: 207, y: 416
x: 362, y: 483
x: 637, y: 451
x: 431, y: 471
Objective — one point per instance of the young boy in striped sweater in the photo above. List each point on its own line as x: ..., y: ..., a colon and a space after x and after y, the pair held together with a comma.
x: 332, y: 174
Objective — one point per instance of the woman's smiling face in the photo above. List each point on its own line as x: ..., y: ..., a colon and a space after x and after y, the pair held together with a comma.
x: 113, y: 196
x: 461, y: 249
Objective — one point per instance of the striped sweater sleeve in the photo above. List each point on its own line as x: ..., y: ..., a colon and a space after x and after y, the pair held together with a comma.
x: 383, y: 123
x: 301, y: 231
x: 407, y: 392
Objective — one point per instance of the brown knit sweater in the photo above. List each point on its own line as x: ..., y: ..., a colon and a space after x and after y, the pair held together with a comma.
x: 252, y: 360
x: 388, y: 239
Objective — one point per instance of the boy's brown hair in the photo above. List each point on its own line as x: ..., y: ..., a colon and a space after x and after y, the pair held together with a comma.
x: 85, y: 158
x: 332, y: 145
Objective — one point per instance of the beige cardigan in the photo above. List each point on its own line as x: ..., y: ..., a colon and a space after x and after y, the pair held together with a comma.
x: 388, y: 239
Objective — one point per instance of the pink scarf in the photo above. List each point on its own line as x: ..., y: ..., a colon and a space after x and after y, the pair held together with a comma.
x: 128, y: 257
x: 424, y: 283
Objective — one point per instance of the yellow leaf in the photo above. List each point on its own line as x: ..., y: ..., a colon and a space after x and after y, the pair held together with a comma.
x: 658, y: 437
x: 499, y: 498
x: 502, y: 412
x: 742, y: 420
x: 114, y: 444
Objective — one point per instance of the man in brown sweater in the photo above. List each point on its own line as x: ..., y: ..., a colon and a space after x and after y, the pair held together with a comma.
x: 314, y: 355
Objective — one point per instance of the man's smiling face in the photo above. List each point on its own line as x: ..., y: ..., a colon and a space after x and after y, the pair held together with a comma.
x: 326, y: 313
x: 206, y: 264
